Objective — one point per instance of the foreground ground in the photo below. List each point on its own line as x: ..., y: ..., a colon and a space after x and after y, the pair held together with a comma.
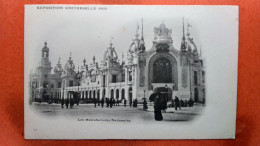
x: 119, y: 112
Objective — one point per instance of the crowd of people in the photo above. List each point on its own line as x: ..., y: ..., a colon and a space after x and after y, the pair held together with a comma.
x: 160, y: 103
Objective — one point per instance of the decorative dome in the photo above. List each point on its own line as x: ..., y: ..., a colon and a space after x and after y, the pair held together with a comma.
x: 70, y: 65
x: 58, y: 68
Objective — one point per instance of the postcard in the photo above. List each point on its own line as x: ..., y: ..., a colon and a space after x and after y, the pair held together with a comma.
x: 130, y: 72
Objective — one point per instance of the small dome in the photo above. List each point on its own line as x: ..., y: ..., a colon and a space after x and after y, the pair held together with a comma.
x: 58, y: 68
x: 70, y: 65
x: 45, y: 48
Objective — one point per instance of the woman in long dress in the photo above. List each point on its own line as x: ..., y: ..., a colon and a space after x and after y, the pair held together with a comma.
x: 157, y: 108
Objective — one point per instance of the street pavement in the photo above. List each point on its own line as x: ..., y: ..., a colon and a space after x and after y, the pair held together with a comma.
x: 119, y: 112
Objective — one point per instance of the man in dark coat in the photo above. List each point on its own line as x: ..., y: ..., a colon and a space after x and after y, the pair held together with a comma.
x: 130, y: 102
x: 158, y: 108
x: 177, y: 103
x: 124, y: 102
x: 111, y: 102
x: 102, y: 102
x: 67, y: 102
x: 62, y: 102
x: 107, y: 102
x: 95, y: 102
x: 71, y: 103
x: 145, y: 107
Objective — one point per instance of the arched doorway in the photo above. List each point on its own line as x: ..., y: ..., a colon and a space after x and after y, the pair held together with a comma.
x: 196, y: 95
x: 112, y: 93
x: 90, y: 94
x: 130, y: 93
x: 123, y: 94
x: 94, y: 94
x: 117, y: 93
x: 165, y: 91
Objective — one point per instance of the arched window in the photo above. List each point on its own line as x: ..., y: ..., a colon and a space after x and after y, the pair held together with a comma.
x: 112, y: 93
x: 162, y: 71
x: 117, y: 94
x: 123, y: 93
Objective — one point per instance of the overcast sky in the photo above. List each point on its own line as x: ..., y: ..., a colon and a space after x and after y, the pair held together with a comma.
x: 88, y: 32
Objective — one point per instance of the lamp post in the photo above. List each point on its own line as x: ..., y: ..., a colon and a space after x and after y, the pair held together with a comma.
x: 166, y: 87
x: 78, y: 77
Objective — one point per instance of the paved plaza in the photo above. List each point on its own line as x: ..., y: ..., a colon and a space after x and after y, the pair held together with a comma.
x: 119, y: 112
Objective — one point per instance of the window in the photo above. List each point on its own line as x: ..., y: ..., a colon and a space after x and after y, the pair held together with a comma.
x: 71, y: 83
x: 52, y: 85
x: 104, y: 80
x: 113, y: 78
x: 123, y: 77
x: 130, y: 76
x: 59, y: 84
x: 45, y: 84
x: 203, y: 76
x: 195, y: 77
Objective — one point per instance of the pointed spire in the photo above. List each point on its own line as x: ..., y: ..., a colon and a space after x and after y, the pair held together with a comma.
x: 136, y: 33
x: 94, y: 59
x: 84, y: 61
x: 111, y: 44
x: 183, y: 42
x: 183, y: 33
x: 142, y: 37
x: 70, y: 55
x: 59, y: 61
x: 45, y: 43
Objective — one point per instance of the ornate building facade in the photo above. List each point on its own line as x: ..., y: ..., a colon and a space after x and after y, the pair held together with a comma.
x: 144, y: 71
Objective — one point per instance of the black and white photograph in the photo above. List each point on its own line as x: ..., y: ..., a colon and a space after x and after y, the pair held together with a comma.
x: 130, y: 72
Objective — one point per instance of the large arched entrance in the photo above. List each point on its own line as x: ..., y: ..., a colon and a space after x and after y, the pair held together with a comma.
x: 163, y: 69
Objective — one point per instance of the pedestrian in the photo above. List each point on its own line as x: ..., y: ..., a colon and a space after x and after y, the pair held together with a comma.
x: 157, y: 108
x: 177, y: 103
x: 95, y: 102
x: 117, y: 102
x: 111, y: 102
x: 130, y: 102
x: 145, y: 107
x: 114, y: 101
x: 102, y: 102
x: 67, y: 102
x: 62, y: 102
x: 124, y: 102
x: 135, y: 103
x: 71, y: 103
x: 98, y: 101
x: 107, y: 102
